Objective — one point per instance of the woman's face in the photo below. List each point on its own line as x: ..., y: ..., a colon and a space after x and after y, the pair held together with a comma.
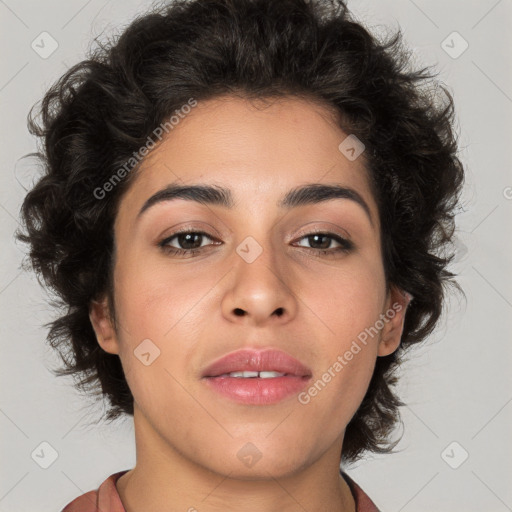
x: 253, y: 276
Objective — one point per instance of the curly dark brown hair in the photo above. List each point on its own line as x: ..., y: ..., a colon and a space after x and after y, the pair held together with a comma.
x: 96, y: 116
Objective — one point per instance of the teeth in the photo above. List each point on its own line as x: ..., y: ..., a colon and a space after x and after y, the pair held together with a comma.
x: 270, y: 375
x: 243, y: 374
x: 249, y: 374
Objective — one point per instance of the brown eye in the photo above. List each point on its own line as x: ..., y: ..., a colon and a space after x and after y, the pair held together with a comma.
x: 189, y: 240
x: 322, y: 242
x: 184, y: 242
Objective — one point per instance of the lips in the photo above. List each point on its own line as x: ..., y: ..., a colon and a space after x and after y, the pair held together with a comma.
x: 270, y: 360
x: 257, y: 377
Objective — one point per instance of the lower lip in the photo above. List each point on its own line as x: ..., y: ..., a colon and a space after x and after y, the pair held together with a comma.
x: 257, y: 391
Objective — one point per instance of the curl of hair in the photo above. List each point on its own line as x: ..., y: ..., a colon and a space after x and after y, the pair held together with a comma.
x: 103, y: 110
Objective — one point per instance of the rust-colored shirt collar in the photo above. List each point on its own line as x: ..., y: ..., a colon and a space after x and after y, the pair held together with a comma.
x: 107, y: 499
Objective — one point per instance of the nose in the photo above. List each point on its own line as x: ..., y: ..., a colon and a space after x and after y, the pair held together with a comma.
x: 260, y: 292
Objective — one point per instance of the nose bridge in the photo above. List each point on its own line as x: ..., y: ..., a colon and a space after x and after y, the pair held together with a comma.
x: 260, y: 287
x: 260, y: 263
x: 260, y: 244
x: 263, y: 259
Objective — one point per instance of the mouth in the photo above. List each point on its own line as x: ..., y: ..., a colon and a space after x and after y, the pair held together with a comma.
x: 257, y: 377
x: 271, y: 374
x: 267, y: 363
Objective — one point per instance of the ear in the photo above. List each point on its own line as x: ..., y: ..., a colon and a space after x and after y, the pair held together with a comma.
x: 393, y: 317
x: 99, y: 315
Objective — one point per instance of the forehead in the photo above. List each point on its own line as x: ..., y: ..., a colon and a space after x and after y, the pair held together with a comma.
x: 260, y: 150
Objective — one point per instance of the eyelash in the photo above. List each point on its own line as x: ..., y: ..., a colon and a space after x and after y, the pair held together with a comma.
x: 346, y: 246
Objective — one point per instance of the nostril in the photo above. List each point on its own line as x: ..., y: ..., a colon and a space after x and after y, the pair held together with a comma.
x: 239, y: 312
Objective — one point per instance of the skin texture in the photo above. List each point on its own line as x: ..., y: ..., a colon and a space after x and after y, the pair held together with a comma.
x: 187, y: 436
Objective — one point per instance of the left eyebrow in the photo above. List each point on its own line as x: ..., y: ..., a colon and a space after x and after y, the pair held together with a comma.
x: 312, y: 193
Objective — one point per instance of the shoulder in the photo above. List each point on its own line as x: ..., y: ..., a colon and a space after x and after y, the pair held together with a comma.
x: 362, y: 500
x: 105, y: 498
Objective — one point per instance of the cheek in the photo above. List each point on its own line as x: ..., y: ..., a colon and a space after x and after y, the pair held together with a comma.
x: 161, y: 318
x: 346, y: 306
x: 348, y: 356
x: 155, y: 302
x: 334, y: 396
x: 346, y: 300
x: 157, y: 332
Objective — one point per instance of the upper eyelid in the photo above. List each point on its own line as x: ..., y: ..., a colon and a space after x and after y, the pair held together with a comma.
x: 318, y: 231
x: 186, y: 231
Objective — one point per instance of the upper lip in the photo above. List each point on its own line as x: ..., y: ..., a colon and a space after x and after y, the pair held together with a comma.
x: 259, y: 361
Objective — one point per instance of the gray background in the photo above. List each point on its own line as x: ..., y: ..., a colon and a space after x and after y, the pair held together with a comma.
x: 457, y: 387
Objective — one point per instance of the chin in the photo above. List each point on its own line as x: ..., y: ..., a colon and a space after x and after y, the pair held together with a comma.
x: 247, y: 461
